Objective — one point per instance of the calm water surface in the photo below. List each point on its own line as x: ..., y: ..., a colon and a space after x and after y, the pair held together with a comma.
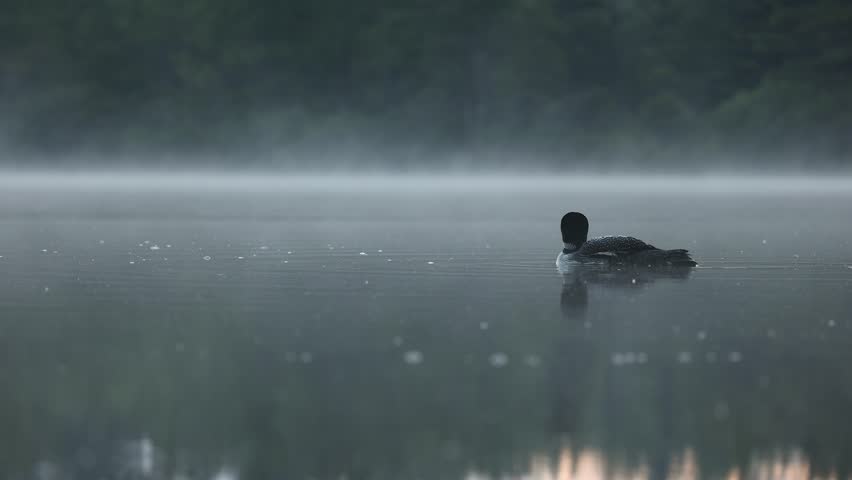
x: 420, y: 332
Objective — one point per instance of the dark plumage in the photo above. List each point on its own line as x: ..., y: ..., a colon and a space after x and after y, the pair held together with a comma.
x: 614, y: 249
x: 575, y: 228
x: 614, y: 244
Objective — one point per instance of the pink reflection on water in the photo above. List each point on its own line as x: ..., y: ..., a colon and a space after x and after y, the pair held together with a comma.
x: 591, y: 464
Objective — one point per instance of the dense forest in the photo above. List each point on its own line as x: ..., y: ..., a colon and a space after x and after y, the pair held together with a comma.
x: 557, y: 79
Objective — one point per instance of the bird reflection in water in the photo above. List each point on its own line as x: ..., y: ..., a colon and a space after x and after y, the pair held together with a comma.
x: 576, y: 280
x: 572, y: 379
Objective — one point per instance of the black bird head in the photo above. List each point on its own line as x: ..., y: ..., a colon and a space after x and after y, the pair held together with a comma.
x: 575, y: 229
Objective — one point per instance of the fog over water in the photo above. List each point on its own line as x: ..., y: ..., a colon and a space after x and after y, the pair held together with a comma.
x: 241, y: 326
x: 243, y: 181
x: 318, y: 240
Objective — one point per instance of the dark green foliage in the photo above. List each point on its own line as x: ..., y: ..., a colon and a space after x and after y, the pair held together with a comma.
x: 594, y: 78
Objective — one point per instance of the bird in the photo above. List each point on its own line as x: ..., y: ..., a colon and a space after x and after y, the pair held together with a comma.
x: 612, y: 250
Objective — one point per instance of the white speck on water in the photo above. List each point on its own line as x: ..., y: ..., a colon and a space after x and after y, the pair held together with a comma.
x: 390, y: 259
x: 532, y: 361
x: 641, y: 357
x: 796, y: 256
x: 44, y: 469
x: 735, y: 357
x: 363, y: 254
x: 483, y: 325
x: 207, y: 258
x: 306, y: 357
x: 380, y: 250
x: 398, y: 341
x: 366, y: 282
x: 168, y: 245
x: 241, y: 258
x: 154, y: 247
x: 721, y: 410
x: 430, y: 263
x: 46, y: 289
x: 101, y: 242
x: 264, y: 247
x: 633, y: 281
x: 147, y: 242
x: 141, y: 245
x: 763, y: 242
x: 226, y: 474
x: 44, y: 250
x: 832, y: 323
x: 289, y: 252
x: 413, y: 357
x: 288, y: 261
x: 684, y: 357
x: 55, y: 252
x: 701, y: 336
x: 499, y: 360
x: 146, y: 456
x: 132, y: 262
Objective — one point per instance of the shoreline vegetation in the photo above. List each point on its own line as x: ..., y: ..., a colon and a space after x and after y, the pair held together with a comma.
x: 538, y: 83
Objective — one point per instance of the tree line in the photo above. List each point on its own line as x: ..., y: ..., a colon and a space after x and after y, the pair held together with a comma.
x: 563, y: 79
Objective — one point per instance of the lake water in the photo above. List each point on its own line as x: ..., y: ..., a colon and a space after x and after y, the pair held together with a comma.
x: 228, y: 329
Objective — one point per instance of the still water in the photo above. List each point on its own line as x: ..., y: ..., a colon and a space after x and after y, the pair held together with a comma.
x: 419, y: 330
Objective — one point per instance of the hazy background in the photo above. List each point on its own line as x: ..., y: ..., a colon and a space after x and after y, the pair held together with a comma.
x: 421, y: 84
x: 212, y: 269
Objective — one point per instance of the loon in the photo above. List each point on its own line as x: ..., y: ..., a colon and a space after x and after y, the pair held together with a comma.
x: 612, y: 250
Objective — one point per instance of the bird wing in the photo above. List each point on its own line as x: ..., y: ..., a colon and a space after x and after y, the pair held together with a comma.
x: 614, y: 245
